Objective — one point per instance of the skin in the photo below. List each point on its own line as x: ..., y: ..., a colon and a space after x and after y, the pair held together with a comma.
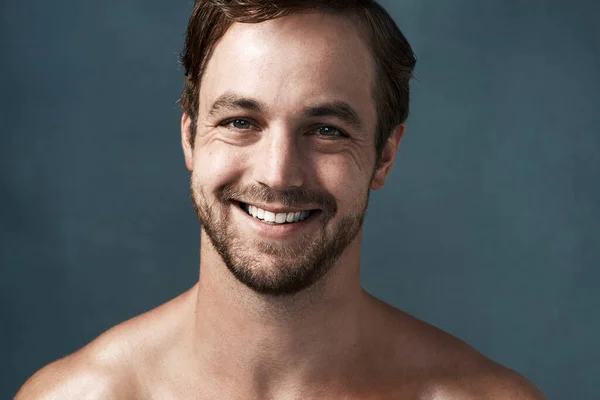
x: 323, y: 339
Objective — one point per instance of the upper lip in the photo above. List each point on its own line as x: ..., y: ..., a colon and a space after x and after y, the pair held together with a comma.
x: 275, y: 209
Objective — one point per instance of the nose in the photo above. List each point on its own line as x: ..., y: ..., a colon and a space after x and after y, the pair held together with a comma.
x: 279, y: 161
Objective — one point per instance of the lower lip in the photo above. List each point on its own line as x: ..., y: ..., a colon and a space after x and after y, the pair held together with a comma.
x: 276, y: 231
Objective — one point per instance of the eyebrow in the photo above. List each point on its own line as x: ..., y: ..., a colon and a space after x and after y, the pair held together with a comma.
x: 338, y: 109
x: 229, y: 101
x: 232, y: 101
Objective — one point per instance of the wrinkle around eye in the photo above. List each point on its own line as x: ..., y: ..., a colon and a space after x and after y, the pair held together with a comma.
x: 235, y: 137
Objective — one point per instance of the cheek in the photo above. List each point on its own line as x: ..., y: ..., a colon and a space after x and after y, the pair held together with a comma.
x: 217, y: 164
x: 344, y: 179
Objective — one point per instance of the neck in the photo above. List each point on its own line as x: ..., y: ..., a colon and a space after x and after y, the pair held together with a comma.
x: 265, y: 344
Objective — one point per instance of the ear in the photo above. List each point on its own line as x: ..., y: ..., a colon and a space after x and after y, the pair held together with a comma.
x: 186, y: 141
x: 387, y: 157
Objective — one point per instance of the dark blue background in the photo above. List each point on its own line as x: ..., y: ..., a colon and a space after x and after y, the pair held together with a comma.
x: 488, y: 227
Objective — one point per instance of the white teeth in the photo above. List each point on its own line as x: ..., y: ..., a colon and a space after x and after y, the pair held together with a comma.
x: 269, y: 216
x: 279, y: 218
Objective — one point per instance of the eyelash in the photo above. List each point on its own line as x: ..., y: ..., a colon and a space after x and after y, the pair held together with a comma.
x: 341, y: 134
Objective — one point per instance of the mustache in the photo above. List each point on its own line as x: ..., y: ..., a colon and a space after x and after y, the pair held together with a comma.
x: 294, y: 197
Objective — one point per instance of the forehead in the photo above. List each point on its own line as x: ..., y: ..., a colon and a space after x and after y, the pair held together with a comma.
x: 290, y: 61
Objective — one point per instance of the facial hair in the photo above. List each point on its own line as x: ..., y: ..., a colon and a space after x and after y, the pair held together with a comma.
x: 296, y: 266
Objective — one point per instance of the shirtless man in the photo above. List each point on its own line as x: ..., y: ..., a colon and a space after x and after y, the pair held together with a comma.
x: 299, y: 114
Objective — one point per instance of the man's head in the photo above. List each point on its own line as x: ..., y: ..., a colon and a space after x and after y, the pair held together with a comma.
x: 296, y: 108
x: 392, y: 54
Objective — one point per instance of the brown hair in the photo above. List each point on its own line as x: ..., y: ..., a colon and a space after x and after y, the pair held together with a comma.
x: 393, y: 55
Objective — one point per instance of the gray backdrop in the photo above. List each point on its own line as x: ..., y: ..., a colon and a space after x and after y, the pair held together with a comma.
x: 487, y: 227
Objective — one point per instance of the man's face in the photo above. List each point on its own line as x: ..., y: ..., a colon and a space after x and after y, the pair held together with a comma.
x: 284, y: 152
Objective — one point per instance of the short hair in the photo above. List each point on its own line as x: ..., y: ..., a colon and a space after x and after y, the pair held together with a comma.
x: 394, y: 58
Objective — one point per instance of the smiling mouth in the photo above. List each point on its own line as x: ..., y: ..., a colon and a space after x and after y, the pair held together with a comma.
x: 269, y: 217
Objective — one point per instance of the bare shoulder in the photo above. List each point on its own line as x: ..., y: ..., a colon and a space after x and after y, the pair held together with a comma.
x: 498, y: 383
x: 89, y: 373
x: 112, y: 366
x: 461, y: 372
x: 449, y: 368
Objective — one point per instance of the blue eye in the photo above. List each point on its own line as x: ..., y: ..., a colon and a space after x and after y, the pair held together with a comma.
x: 329, y: 131
x: 240, y: 124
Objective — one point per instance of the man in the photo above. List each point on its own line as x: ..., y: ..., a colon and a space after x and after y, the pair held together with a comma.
x: 292, y: 112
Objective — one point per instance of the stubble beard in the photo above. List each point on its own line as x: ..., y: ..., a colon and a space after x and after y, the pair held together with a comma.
x: 293, y: 267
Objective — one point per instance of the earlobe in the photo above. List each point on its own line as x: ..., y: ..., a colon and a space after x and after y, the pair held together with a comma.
x: 186, y: 141
x: 387, y: 157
